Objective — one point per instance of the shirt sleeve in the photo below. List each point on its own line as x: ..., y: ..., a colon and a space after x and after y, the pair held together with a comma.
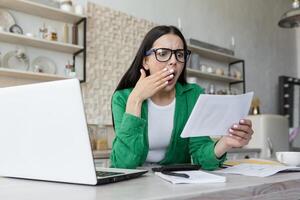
x: 128, y: 145
x: 202, y: 151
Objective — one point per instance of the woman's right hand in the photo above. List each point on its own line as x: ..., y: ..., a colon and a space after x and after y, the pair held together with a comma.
x: 147, y: 86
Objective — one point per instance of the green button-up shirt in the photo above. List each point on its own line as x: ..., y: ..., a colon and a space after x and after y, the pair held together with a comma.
x: 130, y: 146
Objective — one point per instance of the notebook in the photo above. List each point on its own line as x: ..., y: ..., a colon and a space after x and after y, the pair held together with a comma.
x: 195, y: 176
x: 44, y: 136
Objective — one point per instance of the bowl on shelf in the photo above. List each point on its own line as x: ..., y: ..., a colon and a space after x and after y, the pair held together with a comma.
x: 17, y: 60
x: 43, y: 65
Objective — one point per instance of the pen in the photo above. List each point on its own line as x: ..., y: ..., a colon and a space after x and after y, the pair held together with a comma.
x: 175, y: 174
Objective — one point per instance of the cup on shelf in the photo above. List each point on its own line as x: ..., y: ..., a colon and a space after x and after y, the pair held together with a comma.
x: 210, y: 69
x: 220, y: 71
x: 203, y: 68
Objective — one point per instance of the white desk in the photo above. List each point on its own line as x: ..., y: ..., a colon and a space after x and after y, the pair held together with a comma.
x: 280, y: 186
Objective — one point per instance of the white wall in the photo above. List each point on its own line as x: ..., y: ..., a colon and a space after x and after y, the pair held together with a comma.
x: 268, y: 50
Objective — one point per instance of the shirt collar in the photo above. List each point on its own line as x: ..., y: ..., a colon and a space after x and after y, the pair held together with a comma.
x: 180, y: 89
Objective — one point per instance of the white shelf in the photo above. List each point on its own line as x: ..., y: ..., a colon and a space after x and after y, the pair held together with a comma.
x: 199, y: 74
x: 211, y: 54
x: 41, y: 10
x: 4, y: 72
x: 39, y: 43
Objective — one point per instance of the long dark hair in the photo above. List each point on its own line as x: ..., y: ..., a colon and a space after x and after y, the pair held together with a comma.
x: 133, y: 74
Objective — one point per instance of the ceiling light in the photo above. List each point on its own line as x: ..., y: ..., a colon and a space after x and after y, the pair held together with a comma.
x: 291, y: 19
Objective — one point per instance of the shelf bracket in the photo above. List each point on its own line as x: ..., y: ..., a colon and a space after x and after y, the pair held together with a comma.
x: 243, y: 70
x: 84, y: 21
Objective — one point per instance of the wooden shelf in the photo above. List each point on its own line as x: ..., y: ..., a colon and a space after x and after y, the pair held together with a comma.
x: 4, y: 72
x: 199, y: 74
x: 214, y: 55
x: 39, y: 43
x: 41, y: 10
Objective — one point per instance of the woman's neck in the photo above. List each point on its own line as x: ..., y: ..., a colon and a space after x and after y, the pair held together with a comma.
x: 163, y: 98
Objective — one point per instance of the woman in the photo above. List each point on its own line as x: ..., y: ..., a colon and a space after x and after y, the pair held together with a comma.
x: 152, y: 104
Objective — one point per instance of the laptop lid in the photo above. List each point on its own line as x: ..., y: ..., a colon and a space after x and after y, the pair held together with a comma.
x: 43, y: 133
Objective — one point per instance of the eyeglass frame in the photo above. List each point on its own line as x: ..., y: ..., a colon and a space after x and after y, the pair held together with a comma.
x: 187, y: 53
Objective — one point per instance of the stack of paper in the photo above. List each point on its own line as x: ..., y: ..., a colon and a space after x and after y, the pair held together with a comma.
x: 194, y: 177
x: 260, y: 170
x: 251, y: 161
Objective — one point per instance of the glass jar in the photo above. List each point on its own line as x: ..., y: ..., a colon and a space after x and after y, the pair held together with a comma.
x: 101, y: 139
x: 69, y: 70
x: 92, y: 134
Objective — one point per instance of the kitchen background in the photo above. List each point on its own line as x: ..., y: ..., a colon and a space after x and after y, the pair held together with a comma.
x: 268, y: 51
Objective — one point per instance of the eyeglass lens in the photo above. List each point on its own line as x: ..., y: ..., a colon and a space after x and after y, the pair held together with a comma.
x: 164, y: 55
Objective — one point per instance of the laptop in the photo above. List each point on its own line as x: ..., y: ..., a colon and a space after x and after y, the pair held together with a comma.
x: 44, y: 136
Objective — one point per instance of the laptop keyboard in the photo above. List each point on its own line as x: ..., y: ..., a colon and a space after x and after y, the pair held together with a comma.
x: 101, y: 174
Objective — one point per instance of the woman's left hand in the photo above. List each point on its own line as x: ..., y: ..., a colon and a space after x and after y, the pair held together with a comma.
x: 239, y: 135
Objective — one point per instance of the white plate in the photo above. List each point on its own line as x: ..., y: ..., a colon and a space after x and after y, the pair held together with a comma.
x: 12, y: 61
x: 6, y: 19
x: 44, y: 65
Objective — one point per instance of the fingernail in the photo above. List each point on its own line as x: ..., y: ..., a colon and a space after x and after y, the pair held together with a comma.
x: 167, y: 82
x: 230, y: 130
x: 230, y: 135
x: 172, y: 70
x: 171, y: 75
x: 165, y: 69
x: 242, y: 121
x: 235, y: 126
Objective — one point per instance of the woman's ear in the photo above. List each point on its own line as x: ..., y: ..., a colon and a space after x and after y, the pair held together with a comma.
x: 145, y: 63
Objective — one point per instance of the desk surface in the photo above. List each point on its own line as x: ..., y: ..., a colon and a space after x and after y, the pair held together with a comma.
x: 279, y: 186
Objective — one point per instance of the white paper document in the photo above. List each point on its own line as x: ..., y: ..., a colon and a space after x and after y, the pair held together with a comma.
x: 214, y: 114
x: 260, y: 170
x: 195, y: 176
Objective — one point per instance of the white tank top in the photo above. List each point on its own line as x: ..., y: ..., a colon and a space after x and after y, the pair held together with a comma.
x: 160, y: 126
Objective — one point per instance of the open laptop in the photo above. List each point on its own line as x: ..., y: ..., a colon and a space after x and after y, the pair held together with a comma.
x: 44, y: 136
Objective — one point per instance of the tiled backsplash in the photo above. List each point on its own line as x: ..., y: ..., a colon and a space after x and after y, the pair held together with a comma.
x: 112, y: 41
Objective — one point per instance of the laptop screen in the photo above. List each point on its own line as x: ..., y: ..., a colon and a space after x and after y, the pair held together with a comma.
x: 43, y: 133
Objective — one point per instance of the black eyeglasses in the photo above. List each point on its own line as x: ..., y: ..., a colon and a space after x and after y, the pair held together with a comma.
x: 164, y: 54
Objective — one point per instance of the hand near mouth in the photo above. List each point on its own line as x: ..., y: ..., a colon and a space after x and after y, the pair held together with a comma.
x: 148, y: 86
